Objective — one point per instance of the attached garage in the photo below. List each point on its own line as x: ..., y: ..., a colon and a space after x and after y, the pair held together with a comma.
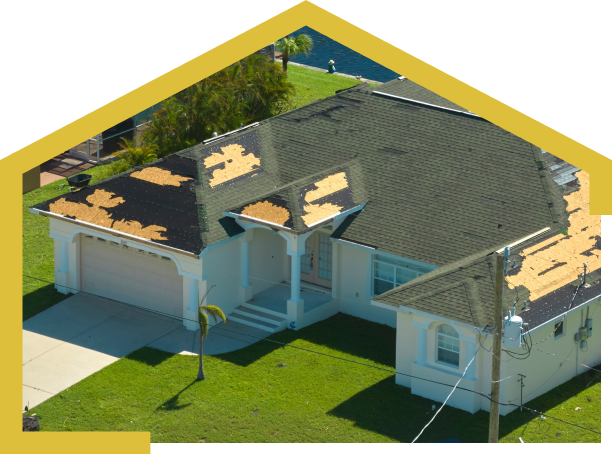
x: 130, y: 275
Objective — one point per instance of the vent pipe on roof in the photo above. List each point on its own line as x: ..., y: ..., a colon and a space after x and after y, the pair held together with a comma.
x: 215, y: 134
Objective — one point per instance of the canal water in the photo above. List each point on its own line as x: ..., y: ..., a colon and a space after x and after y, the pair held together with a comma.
x: 347, y: 61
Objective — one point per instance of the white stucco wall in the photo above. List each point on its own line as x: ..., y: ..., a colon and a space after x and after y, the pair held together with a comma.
x: 267, y: 259
x: 544, y: 371
x: 353, y: 285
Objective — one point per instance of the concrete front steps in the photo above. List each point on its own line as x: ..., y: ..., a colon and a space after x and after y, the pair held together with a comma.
x: 265, y: 319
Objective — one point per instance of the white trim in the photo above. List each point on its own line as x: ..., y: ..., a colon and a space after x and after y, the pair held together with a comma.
x: 462, y: 336
x: 522, y: 240
x: 115, y: 233
x: 259, y: 221
x: 426, y: 103
x: 349, y: 243
x: 340, y: 215
x: 235, y: 131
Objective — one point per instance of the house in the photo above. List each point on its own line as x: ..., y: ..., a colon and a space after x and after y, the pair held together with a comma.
x: 385, y: 203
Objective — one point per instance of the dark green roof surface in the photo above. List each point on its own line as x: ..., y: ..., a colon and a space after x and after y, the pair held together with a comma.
x: 439, y: 185
x: 464, y: 290
x: 408, y: 89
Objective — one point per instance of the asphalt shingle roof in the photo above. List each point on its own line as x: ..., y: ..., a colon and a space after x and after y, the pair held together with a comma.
x: 464, y: 290
x: 439, y: 185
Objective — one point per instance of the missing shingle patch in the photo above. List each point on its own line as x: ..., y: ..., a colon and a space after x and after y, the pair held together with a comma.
x: 97, y: 215
x: 232, y: 163
x: 316, y: 212
x: 326, y: 186
x: 159, y: 176
x: 538, y: 274
x: 267, y: 211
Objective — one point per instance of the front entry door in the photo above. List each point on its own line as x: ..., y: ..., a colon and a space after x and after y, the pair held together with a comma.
x: 317, y: 260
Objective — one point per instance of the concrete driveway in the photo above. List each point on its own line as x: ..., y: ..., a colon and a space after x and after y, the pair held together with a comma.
x: 84, y: 333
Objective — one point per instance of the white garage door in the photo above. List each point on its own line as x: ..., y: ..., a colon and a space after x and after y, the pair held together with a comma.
x: 130, y: 275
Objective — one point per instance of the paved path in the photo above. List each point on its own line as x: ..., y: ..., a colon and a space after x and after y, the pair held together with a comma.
x: 84, y: 333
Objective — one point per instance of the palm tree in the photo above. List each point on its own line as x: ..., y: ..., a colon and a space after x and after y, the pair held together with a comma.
x: 203, y: 313
x: 291, y: 46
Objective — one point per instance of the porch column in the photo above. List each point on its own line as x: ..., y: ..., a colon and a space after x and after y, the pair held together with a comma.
x: 295, y: 305
x: 190, y: 314
x: 194, y: 295
x: 246, y: 289
x: 469, y: 354
x: 62, y: 280
x: 422, y: 347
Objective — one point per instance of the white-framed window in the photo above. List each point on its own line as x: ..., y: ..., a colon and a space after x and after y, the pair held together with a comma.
x: 388, y: 273
x: 559, y: 328
x: 447, y: 345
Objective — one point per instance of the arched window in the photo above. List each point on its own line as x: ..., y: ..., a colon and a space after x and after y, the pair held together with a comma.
x: 448, y: 345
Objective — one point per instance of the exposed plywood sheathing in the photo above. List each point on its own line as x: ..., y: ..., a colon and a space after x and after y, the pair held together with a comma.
x: 326, y: 186
x: 97, y: 215
x: 267, y: 211
x: 159, y: 176
x: 557, y: 261
x: 316, y: 213
x: 235, y: 164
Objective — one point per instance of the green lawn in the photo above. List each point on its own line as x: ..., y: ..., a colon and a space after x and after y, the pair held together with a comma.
x: 312, y: 85
x: 38, y: 247
x: 246, y: 397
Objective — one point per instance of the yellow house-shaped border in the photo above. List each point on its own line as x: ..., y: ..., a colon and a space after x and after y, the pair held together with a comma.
x: 13, y: 166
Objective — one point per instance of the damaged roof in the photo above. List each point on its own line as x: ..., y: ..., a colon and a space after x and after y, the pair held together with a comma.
x: 309, y: 202
x: 543, y: 275
x: 438, y: 185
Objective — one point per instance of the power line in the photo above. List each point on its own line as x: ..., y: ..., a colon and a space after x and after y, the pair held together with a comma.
x: 331, y: 356
x: 448, y: 397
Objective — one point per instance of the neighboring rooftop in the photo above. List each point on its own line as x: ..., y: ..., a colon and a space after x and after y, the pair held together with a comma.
x: 438, y: 186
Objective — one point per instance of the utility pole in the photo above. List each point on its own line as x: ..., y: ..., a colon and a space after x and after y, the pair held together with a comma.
x: 500, y: 263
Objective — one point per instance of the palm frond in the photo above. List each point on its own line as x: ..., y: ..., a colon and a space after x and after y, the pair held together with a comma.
x: 203, y: 321
x: 215, y: 311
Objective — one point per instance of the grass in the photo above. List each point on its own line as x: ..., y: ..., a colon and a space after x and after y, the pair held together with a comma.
x: 246, y: 397
x: 312, y: 85
x: 38, y: 247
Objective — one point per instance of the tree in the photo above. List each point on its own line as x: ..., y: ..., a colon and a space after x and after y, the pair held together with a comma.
x: 203, y: 313
x: 129, y: 156
x: 292, y: 46
x: 250, y: 90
